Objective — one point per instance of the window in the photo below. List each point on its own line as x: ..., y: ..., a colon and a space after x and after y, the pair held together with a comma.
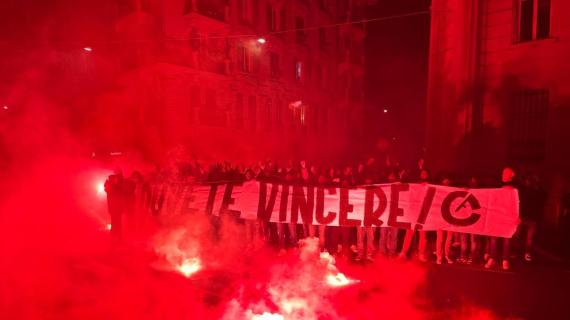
x: 194, y: 103
x: 356, y: 89
x: 254, y: 62
x: 526, y: 28
x: 526, y: 20
x: 322, y: 38
x: 243, y: 60
x: 277, y: 105
x: 527, y: 125
x: 291, y: 116
x: 298, y: 70
x: 188, y: 7
x: 252, y: 112
x: 239, y: 111
x: 307, y: 69
x: 342, y: 86
x: 267, y: 114
x: 319, y: 76
x: 245, y: 10
x: 324, y: 120
x: 125, y: 7
x: 300, y: 32
x: 271, y: 17
x: 195, y: 41
x: 214, y: 9
x: 145, y: 6
x: 210, y: 114
x: 274, y: 71
x: 323, y: 5
x: 543, y: 19
x: 347, y: 42
x: 283, y: 20
x: 322, y: 77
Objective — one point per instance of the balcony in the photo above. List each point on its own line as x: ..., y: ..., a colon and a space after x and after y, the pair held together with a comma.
x: 305, y: 2
x: 214, y: 9
x: 324, y: 7
x: 300, y: 37
x: 201, y: 53
x: 356, y: 58
x: 357, y: 14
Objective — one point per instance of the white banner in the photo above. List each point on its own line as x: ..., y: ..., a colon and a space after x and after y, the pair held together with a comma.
x: 491, y: 212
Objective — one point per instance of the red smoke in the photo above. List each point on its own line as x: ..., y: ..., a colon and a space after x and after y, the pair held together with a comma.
x: 57, y: 264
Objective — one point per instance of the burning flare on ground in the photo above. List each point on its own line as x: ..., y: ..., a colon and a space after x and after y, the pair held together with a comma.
x: 100, y: 188
x: 267, y: 316
x: 300, y: 286
x: 179, y: 250
x: 189, y: 266
x: 334, y: 278
x: 339, y: 280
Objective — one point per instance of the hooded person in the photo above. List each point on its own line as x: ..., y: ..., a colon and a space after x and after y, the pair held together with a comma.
x: 116, y: 203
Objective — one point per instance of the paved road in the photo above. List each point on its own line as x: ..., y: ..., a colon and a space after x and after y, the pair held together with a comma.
x: 529, y: 291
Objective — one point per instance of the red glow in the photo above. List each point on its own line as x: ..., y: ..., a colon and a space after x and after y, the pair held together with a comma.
x: 151, y: 89
x: 302, y: 284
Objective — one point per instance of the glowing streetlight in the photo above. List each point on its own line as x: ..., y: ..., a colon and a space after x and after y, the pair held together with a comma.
x: 261, y: 40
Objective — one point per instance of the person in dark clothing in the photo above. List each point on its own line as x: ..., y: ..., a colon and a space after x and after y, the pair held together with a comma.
x: 565, y: 218
x: 371, y: 171
x: 360, y: 174
x: 369, y: 175
x: 444, y: 238
x: 469, y: 241
x: 532, y: 200
x: 157, y: 190
x: 341, y: 234
x: 507, y: 181
x: 288, y: 176
x: 116, y: 202
x: 389, y: 235
x: 423, y: 178
x: 129, y: 188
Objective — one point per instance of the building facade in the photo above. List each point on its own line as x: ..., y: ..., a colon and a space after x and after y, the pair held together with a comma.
x: 236, y: 78
x: 499, y: 85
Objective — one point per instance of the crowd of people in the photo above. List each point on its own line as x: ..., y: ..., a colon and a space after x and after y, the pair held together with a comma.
x: 149, y: 194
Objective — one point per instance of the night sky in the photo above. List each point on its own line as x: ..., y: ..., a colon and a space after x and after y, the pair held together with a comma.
x: 397, y: 63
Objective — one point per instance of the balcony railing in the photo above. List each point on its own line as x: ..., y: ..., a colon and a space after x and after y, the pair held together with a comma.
x: 215, y: 9
x: 300, y: 37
